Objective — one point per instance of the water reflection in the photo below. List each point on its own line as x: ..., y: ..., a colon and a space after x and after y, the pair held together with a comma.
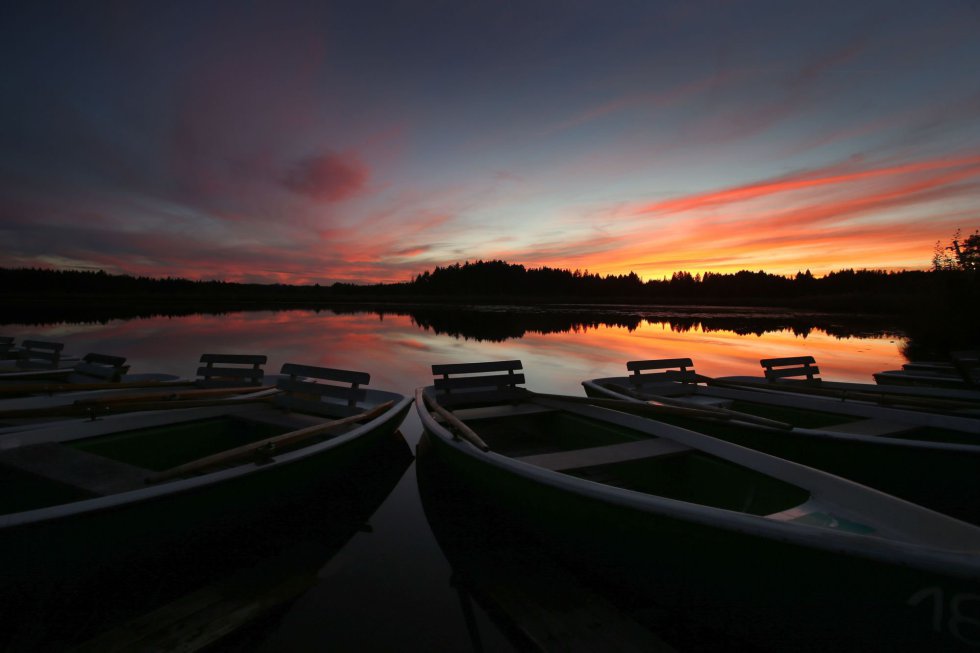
x: 400, y: 579
x: 211, y: 589
x: 534, y: 599
x: 559, y: 347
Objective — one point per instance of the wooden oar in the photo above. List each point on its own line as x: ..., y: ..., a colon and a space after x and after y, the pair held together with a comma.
x: 267, y: 445
x: 55, y: 388
x: 115, y: 399
x: 712, y: 411
x: 461, y: 429
x: 42, y: 375
x: 94, y: 407
x: 646, y: 407
x: 887, y: 398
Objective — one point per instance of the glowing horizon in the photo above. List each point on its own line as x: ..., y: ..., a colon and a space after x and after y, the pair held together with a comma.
x: 311, y: 142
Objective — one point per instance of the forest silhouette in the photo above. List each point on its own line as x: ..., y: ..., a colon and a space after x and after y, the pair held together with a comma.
x: 495, y: 300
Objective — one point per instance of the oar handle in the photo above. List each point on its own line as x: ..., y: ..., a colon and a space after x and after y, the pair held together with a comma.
x: 94, y: 407
x: 459, y: 427
x: 41, y: 388
x: 178, y: 396
x: 249, y: 450
x: 677, y: 408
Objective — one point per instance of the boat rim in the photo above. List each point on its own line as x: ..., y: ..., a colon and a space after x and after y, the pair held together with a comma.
x: 958, y: 562
x: 177, y: 486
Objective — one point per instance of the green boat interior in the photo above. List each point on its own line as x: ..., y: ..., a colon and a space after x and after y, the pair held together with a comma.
x: 52, y: 473
x: 607, y: 454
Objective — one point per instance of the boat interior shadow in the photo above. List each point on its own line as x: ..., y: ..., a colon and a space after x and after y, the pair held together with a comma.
x: 540, y: 598
x: 214, y: 588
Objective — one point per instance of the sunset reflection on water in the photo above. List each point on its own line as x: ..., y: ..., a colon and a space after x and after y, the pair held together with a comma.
x: 394, y: 571
x: 398, y: 352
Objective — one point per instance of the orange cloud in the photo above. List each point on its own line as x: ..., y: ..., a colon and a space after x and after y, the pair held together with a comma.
x: 832, y: 218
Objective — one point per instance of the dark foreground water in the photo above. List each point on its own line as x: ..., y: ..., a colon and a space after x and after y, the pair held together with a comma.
x: 396, y: 557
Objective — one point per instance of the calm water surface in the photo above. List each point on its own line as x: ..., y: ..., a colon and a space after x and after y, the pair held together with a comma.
x: 402, y: 577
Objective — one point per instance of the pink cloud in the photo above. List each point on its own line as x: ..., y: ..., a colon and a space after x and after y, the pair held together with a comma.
x: 328, y: 177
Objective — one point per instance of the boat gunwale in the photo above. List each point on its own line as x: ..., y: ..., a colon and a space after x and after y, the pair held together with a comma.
x: 911, y: 391
x: 150, y: 492
x: 956, y: 562
x: 858, y: 410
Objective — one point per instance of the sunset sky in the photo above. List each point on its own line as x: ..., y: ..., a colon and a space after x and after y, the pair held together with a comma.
x: 306, y: 142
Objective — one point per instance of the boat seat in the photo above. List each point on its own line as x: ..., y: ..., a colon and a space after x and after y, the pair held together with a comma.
x: 226, y: 370
x: 73, y: 467
x: 793, y: 366
x: 321, y: 390
x: 605, y: 455
x: 98, y: 367
x: 473, y: 384
x: 40, y: 354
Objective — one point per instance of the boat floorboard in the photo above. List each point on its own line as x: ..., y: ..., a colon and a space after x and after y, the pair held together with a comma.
x: 605, y: 455
x: 79, y: 469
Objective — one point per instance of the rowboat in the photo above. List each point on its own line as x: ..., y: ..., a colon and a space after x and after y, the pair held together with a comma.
x: 96, y: 391
x: 151, y: 478
x: 962, y: 372
x: 538, y: 603
x: 216, y: 583
x: 800, y: 374
x: 924, y: 457
x: 708, y: 525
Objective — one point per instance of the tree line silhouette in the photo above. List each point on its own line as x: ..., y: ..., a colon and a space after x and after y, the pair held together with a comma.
x: 498, y: 281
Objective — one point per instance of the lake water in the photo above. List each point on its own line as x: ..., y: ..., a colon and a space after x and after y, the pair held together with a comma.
x: 393, y: 575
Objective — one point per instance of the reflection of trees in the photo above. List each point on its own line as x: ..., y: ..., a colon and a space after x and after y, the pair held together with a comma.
x: 499, y: 323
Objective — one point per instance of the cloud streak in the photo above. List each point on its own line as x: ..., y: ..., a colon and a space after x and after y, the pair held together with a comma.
x: 311, y: 142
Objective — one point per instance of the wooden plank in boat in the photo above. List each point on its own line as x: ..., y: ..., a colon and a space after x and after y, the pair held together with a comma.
x: 217, y: 372
x: 781, y: 368
x: 40, y: 354
x: 476, y: 368
x: 353, y: 377
x: 605, y: 455
x: 79, y: 469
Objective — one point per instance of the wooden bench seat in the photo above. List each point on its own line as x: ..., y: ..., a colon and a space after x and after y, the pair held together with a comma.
x: 790, y: 368
x: 472, y: 384
x: 605, y: 455
x: 231, y: 369
x: 321, y: 390
x: 40, y: 355
x: 674, y: 370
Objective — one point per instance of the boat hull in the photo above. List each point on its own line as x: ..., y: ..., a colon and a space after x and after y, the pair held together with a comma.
x: 69, y: 551
x: 776, y: 593
x: 943, y: 478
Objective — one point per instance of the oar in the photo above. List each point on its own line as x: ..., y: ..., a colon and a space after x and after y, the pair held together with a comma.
x: 887, y: 398
x: 54, y: 388
x: 181, y: 396
x: 645, y: 406
x: 93, y: 407
x: 709, y: 411
x: 461, y: 429
x: 264, y: 446
x: 36, y: 374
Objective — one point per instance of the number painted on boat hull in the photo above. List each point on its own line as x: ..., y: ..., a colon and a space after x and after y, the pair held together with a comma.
x: 952, y: 616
